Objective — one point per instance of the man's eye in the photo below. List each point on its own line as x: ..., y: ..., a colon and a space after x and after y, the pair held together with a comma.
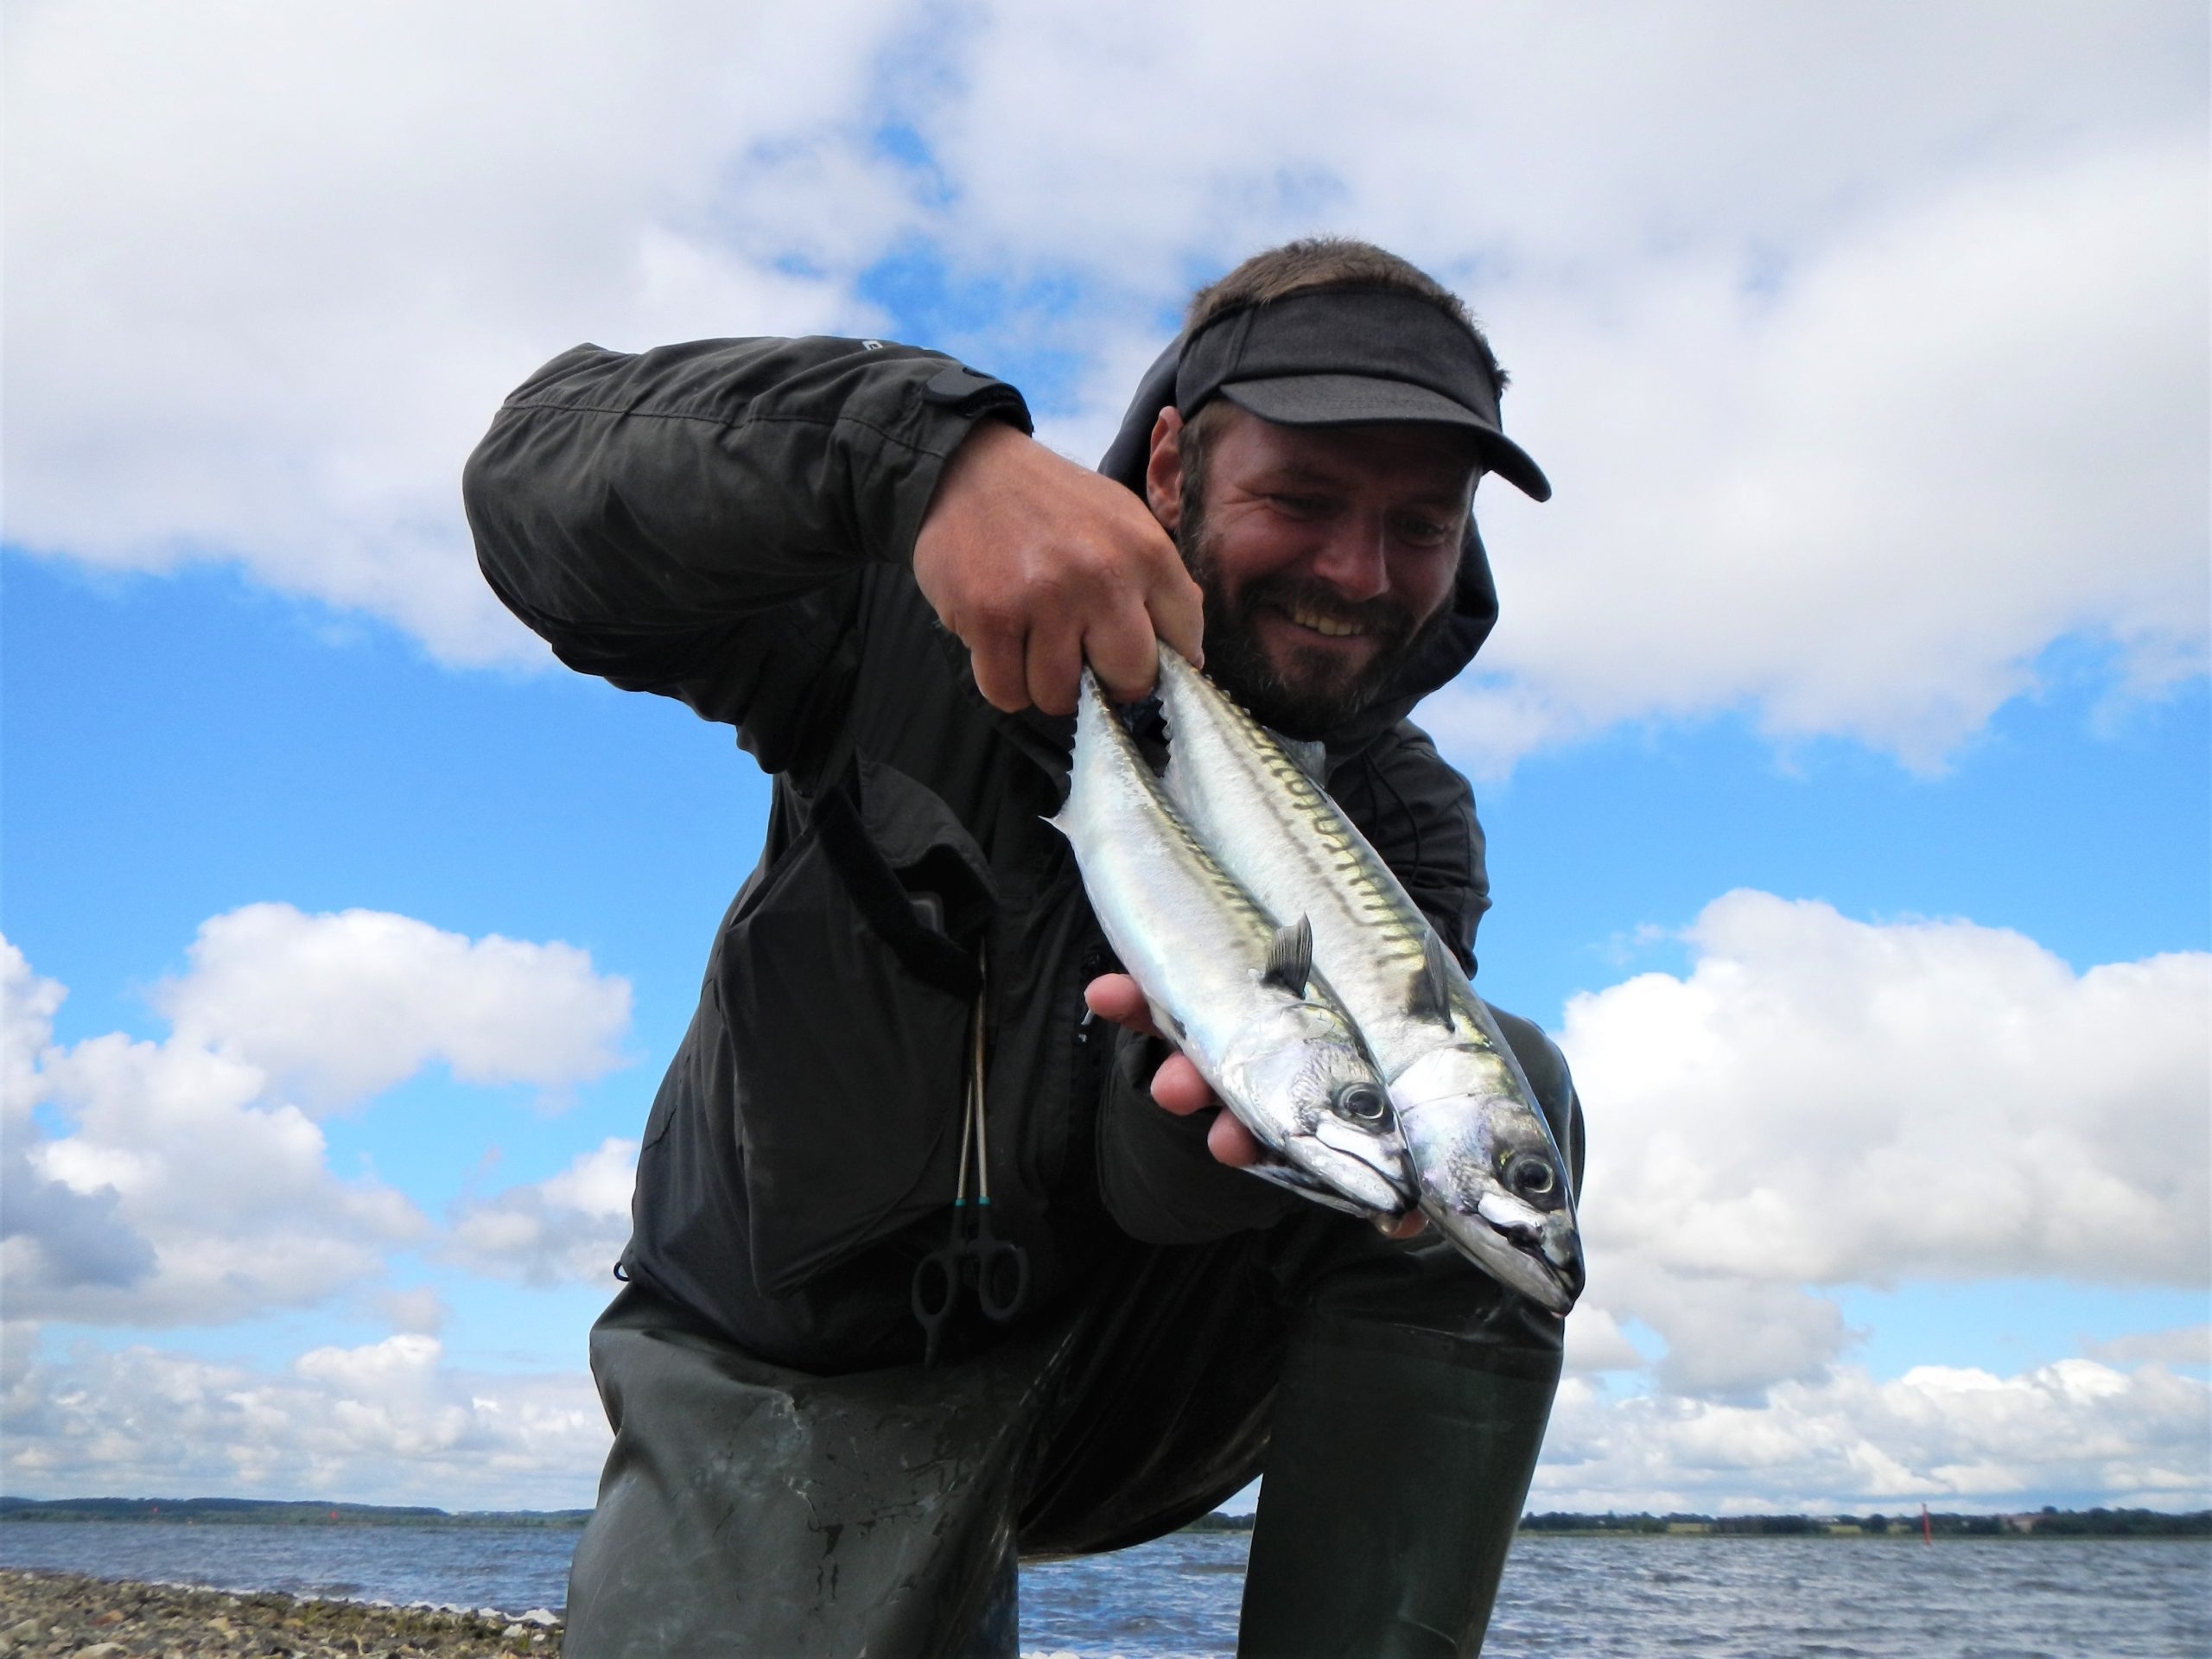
x: 1425, y: 532
x: 1301, y: 506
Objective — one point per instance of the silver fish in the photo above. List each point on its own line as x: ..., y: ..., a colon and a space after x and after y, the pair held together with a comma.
x: 1487, y: 1170
x: 1235, y: 991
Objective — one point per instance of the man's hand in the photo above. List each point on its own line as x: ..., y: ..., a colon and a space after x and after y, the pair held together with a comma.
x: 1177, y: 1088
x: 1039, y: 564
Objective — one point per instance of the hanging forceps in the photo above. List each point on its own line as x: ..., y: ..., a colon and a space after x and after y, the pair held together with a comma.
x: 997, y: 1268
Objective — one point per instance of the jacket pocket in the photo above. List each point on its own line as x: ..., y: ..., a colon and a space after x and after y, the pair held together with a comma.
x: 848, y: 982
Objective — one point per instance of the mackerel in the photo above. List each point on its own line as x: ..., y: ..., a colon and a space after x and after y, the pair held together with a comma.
x: 1235, y: 991
x: 1486, y: 1169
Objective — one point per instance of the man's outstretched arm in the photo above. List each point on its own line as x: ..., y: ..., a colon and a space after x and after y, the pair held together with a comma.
x: 639, y: 511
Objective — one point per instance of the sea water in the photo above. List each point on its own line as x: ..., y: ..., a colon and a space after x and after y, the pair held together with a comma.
x: 1709, y: 1597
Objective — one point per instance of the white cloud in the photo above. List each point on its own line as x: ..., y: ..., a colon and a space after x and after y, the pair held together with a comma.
x: 2188, y: 1344
x: 1852, y: 417
x: 2073, y: 1433
x: 270, y: 269
x: 1820, y: 1102
x: 419, y: 1311
x: 1865, y: 504
x: 1492, y: 135
x: 1596, y: 1343
x: 185, y: 1184
x: 1827, y: 1100
x: 390, y: 1422
x: 336, y: 1008
x: 569, y: 1228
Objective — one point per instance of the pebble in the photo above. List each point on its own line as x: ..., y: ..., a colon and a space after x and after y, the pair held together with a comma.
x: 45, y: 1615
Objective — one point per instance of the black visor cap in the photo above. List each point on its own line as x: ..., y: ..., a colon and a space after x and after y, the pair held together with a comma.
x: 1353, y: 356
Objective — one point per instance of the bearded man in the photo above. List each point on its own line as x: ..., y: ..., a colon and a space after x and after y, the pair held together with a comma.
x: 854, y: 554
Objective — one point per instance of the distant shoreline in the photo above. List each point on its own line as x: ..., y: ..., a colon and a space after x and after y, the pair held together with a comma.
x: 2042, y: 1523
x: 222, y: 1511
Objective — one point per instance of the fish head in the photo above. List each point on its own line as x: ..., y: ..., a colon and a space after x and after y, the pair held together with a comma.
x: 1488, y: 1174
x: 1314, y: 1097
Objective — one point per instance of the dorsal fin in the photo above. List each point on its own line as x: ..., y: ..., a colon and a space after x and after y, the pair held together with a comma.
x: 1432, y: 997
x: 1290, y: 958
x: 1310, y: 757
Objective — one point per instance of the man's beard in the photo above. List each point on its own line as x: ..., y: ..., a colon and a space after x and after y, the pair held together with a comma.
x: 1311, y: 695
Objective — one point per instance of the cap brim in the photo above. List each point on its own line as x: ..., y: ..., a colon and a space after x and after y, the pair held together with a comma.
x: 1357, y: 399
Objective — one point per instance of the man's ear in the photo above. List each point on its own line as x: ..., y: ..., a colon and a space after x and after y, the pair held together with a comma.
x: 1163, y: 471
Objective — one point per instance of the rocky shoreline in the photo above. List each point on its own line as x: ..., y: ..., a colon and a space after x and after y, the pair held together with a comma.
x: 45, y: 1613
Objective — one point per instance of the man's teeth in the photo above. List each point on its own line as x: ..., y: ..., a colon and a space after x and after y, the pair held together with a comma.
x: 1326, y: 625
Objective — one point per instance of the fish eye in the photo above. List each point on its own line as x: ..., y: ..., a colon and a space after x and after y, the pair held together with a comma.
x: 1531, y: 1176
x: 1362, y: 1102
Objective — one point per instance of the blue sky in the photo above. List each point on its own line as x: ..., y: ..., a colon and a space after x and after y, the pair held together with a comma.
x: 1843, y: 748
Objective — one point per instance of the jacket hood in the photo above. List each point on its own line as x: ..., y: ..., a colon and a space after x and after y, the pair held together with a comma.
x: 1440, y: 657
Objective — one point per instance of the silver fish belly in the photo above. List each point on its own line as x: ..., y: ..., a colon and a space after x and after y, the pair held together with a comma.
x: 1234, y: 990
x: 1486, y: 1169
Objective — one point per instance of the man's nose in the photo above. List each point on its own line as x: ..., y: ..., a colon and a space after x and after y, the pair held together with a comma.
x: 1354, y: 559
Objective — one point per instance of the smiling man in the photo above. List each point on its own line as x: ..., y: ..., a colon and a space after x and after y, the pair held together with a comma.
x: 843, y: 1409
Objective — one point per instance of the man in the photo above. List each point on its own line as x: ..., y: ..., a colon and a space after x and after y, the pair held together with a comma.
x: 855, y: 553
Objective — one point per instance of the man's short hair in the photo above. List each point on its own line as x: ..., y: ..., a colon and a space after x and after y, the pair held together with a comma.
x: 1310, y: 262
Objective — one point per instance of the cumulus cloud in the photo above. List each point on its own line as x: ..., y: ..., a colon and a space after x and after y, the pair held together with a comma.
x: 1820, y: 1102
x: 1827, y: 1100
x: 1851, y: 419
x: 570, y: 1227
x: 1827, y: 456
x: 81, y: 1240
x: 388, y: 1422
x: 1864, y: 502
x: 270, y: 270
x: 2073, y: 1433
x: 1490, y: 141
x: 186, y: 1183
x: 335, y: 1008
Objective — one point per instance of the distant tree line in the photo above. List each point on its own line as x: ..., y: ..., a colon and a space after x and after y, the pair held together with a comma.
x: 265, y: 1512
x: 1219, y: 1522
x: 2048, y: 1523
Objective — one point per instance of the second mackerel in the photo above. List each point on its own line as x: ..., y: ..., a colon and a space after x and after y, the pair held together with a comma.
x: 1488, y: 1170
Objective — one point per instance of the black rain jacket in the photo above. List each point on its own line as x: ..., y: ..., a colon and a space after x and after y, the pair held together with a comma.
x: 730, y: 522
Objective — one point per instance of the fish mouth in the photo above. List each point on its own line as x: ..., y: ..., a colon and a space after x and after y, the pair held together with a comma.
x: 1521, y: 1247
x: 1368, y: 1173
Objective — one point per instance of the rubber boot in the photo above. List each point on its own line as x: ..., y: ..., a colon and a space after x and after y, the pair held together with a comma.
x: 1395, y: 1474
x: 998, y: 1630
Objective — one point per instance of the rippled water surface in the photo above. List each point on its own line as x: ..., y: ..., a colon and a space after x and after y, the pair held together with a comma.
x: 1604, y: 1597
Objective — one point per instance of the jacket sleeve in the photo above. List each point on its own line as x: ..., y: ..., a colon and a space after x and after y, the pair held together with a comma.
x: 681, y: 520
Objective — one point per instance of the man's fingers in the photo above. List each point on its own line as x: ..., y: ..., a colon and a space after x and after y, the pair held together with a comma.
x: 1179, y: 615
x: 1001, y: 670
x: 1124, y: 654
x: 1178, y: 1088
x: 1055, y: 669
x: 1230, y: 1141
x: 1030, y: 559
x: 1116, y: 997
